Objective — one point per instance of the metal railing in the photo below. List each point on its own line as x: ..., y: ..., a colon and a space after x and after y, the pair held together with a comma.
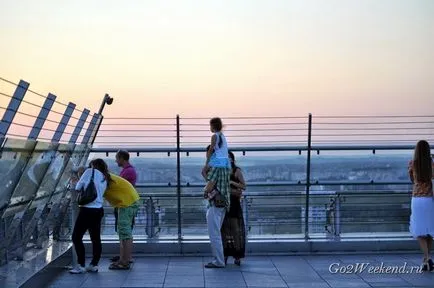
x: 276, y: 215
x: 308, y: 138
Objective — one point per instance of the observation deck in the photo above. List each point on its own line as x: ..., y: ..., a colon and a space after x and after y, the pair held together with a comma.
x: 321, y: 190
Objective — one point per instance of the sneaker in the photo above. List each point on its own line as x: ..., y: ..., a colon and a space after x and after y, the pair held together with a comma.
x: 430, y: 265
x: 212, y: 265
x: 92, y: 268
x: 78, y: 270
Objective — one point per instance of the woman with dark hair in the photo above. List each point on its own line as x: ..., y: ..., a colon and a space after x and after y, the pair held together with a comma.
x: 422, y: 206
x: 90, y: 216
x: 233, y: 230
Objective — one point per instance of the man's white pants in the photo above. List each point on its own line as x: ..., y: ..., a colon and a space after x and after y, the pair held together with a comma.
x: 214, y: 219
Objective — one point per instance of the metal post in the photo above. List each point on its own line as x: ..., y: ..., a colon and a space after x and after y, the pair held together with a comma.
x: 106, y: 100
x: 150, y: 221
x: 338, y: 217
x: 306, y: 209
x: 12, y: 108
x: 63, y: 122
x: 39, y: 122
x: 79, y: 126
x: 95, y: 132
x: 178, y: 176
x: 90, y: 128
x: 246, y: 214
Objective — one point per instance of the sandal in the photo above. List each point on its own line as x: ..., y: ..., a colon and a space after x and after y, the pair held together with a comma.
x: 119, y: 266
x: 117, y: 258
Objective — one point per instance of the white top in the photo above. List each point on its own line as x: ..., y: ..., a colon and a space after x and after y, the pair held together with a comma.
x: 220, y: 157
x: 100, y: 185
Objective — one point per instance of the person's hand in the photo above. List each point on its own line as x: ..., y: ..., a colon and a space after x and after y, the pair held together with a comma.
x: 73, y: 180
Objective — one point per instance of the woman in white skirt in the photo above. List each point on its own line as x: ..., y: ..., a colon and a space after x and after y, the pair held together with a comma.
x: 422, y: 201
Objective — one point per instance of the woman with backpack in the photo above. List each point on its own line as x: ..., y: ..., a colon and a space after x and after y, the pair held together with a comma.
x: 90, y: 214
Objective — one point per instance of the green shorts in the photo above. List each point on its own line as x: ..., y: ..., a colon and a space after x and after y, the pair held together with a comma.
x: 125, y: 220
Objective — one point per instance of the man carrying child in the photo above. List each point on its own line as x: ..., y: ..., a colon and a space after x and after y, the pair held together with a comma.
x: 217, y: 190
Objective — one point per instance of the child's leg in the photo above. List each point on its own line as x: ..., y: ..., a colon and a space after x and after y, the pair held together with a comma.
x: 209, y: 186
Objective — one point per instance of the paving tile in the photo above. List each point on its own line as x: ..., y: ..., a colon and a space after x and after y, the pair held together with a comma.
x: 291, y: 269
x: 386, y: 284
x: 184, y: 281
x: 144, y: 282
x: 302, y: 278
x: 263, y: 280
x: 186, y: 259
x: 348, y: 284
x: 105, y: 279
x: 352, y: 259
x: 423, y: 279
x: 322, y: 284
x: 259, y: 271
x: 222, y: 278
x: 66, y: 279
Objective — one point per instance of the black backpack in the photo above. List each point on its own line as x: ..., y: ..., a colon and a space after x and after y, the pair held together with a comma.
x: 88, y: 194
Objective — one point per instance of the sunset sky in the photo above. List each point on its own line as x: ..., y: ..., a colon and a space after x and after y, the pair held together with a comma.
x: 204, y: 58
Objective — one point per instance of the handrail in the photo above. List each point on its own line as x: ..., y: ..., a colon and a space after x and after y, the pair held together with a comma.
x: 139, y: 149
x: 280, y: 194
x: 279, y: 184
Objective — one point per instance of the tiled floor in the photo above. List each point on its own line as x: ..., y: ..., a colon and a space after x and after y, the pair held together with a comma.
x: 258, y: 271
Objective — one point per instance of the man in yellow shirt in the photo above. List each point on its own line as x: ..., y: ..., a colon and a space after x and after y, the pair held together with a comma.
x: 122, y: 195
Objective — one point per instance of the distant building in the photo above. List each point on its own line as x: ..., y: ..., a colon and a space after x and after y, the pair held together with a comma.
x: 317, y: 215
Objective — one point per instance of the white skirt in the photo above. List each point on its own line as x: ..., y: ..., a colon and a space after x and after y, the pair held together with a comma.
x: 422, y: 216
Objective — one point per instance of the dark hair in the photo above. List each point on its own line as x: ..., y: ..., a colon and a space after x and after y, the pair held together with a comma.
x: 233, y: 165
x: 422, y: 162
x: 102, y: 167
x: 216, y: 123
x: 123, y: 154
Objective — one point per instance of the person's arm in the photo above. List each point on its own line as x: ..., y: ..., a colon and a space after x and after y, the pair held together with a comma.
x: 84, y: 179
x: 204, y: 173
x: 241, y: 184
x: 237, y: 192
x: 210, y: 150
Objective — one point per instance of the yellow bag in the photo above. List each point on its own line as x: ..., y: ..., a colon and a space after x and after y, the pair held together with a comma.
x: 120, y: 193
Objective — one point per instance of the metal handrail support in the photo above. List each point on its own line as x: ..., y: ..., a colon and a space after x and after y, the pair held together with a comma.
x: 306, y: 210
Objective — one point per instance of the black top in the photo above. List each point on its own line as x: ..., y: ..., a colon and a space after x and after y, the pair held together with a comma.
x: 235, y: 210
